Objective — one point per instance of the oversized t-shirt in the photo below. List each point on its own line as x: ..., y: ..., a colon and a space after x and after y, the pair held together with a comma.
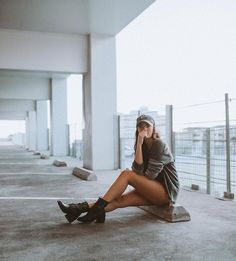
x: 158, y: 163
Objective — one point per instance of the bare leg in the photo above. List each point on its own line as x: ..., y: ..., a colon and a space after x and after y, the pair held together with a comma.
x: 128, y: 199
x: 147, y: 191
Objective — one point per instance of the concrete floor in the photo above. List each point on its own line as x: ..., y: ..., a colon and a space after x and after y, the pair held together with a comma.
x: 33, y: 228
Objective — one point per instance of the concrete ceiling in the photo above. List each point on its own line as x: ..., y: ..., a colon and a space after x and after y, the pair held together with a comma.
x: 67, y: 17
x: 32, y: 74
x: 70, y: 16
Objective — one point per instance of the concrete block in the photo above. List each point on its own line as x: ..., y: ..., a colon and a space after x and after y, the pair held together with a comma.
x: 195, y: 187
x: 43, y: 156
x: 170, y: 213
x: 58, y: 163
x: 228, y: 195
x: 84, y: 174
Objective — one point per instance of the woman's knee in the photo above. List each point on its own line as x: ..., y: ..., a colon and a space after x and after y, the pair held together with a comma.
x: 129, y: 175
x: 125, y: 173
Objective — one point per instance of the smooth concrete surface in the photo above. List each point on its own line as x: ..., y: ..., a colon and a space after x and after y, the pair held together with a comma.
x: 96, y: 90
x: 42, y: 125
x: 71, y: 17
x: 41, y: 53
x: 33, y: 227
x: 32, y: 130
x: 59, y: 127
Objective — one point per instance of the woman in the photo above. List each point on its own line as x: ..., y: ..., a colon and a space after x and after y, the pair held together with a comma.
x: 153, y: 177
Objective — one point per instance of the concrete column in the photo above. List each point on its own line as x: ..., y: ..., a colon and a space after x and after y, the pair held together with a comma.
x: 27, y: 131
x: 59, y: 130
x: 42, y: 125
x: 99, y: 105
x: 18, y: 138
x: 32, y: 130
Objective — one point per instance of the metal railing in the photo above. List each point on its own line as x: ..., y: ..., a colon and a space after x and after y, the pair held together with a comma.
x: 75, y: 142
x: 202, y: 138
x: 205, y: 148
x: 203, y: 141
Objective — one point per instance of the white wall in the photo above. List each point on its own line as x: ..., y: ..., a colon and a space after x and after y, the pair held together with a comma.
x: 12, y: 115
x: 24, y: 50
x: 24, y: 88
x: 17, y: 105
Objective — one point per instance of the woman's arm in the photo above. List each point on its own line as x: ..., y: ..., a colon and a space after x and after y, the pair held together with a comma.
x: 155, y: 163
x: 137, y: 165
x: 138, y: 154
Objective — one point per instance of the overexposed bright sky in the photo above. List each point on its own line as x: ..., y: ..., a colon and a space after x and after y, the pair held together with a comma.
x: 181, y: 53
x: 176, y: 52
x: 8, y: 127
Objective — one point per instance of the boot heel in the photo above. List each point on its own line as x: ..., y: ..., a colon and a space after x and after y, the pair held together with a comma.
x: 101, y: 218
x: 70, y: 217
x: 95, y: 213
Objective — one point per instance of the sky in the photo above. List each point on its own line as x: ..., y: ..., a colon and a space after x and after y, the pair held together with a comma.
x: 176, y: 52
x: 180, y: 53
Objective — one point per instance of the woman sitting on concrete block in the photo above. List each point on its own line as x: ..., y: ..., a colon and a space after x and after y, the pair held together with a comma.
x: 153, y: 177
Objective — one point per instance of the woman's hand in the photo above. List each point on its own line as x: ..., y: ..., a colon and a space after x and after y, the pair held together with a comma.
x: 138, y: 153
x: 141, y: 136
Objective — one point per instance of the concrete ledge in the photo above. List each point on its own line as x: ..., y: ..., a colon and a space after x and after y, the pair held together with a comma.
x: 194, y: 187
x: 36, y: 153
x: 84, y: 174
x: 43, y: 156
x: 169, y: 213
x: 229, y: 195
x: 58, y: 163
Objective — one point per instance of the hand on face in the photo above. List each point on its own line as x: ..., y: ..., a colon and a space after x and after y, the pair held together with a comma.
x: 141, y: 136
x: 144, y: 132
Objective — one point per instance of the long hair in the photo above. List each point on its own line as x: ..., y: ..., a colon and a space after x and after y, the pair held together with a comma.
x: 155, y: 135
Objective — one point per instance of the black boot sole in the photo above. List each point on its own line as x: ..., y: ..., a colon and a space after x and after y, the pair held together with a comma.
x: 71, y: 217
x: 100, y: 218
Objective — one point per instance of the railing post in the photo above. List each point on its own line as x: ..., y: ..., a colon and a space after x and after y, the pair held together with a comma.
x: 68, y: 140
x: 169, y: 126
x: 75, y: 152
x: 228, y: 181
x: 208, y: 160
x: 228, y: 193
x: 119, y: 142
x: 173, y: 143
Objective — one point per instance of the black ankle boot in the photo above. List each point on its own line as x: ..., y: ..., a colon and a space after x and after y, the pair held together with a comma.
x: 73, y: 211
x: 96, y: 212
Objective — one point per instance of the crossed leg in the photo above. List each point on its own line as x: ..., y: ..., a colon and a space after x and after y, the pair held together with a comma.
x: 146, y: 192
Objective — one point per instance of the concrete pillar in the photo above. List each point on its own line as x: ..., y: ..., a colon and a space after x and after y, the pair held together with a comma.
x: 27, y: 131
x: 32, y: 130
x: 99, y: 105
x: 18, y: 138
x: 59, y: 129
x: 42, y: 125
